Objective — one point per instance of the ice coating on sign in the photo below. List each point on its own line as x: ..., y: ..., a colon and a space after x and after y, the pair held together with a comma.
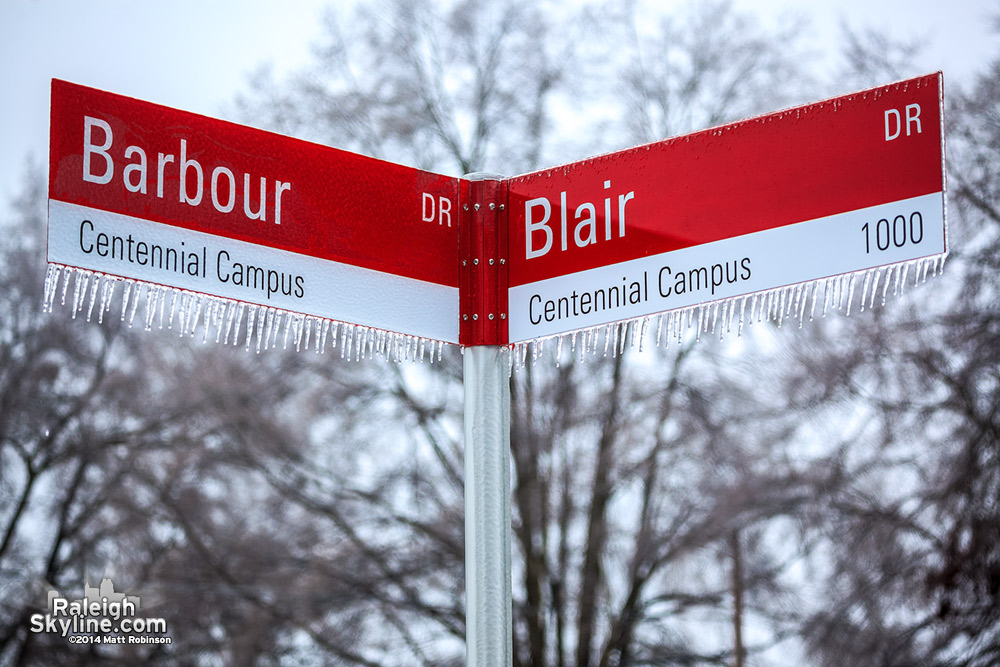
x: 223, y: 320
x: 802, y: 302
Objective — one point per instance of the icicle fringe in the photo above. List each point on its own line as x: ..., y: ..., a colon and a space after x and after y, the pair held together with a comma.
x: 93, y: 295
x: 224, y: 320
x: 802, y: 301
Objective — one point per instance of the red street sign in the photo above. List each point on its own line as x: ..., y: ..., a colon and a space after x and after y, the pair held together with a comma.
x: 168, y: 198
x: 830, y: 188
x: 161, y: 196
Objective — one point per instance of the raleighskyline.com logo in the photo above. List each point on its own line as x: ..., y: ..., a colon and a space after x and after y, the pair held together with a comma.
x: 101, y: 616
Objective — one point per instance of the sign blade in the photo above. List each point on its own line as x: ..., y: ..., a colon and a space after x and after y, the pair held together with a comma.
x: 831, y: 188
x: 148, y: 193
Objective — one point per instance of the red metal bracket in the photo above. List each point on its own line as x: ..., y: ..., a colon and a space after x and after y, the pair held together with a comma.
x: 483, y: 271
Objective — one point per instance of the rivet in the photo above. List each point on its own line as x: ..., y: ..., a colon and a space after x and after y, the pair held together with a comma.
x: 475, y: 316
x: 464, y: 263
x: 502, y: 207
x: 465, y: 318
x: 491, y: 317
x: 503, y: 261
x: 476, y: 207
x: 492, y: 262
x: 475, y: 262
x: 465, y: 207
x: 493, y: 206
x: 503, y: 316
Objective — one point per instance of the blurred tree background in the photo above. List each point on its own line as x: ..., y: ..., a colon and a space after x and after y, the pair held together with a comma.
x: 828, y: 495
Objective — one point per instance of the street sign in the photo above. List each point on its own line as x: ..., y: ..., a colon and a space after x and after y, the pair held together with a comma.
x: 185, y: 205
x: 827, y: 189
x: 176, y: 200
x: 851, y: 186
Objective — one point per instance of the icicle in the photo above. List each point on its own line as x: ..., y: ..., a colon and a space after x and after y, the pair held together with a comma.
x: 175, y: 297
x: 221, y: 312
x: 267, y: 329
x: 850, y: 294
x: 294, y: 331
x: 864, y: 290
x: 801, y: 301
x: 58, y: 271
x: 280, y: 316
x: 210, y: 306
x: 50, y: 273
x: 66, y: 277
x: 815, y: 294
x: 107, y: 295
x: 183, y: 311
x: 140, y: 287
x: 199, y: 304
x: 152, y: 293
x: 888, y: 281
x: 152, y: 299
x: 162, y: 304
x: 345, y: 349
x: 875, y: 279
x: 251, y: 320
x: 321, y: 346
x: 238, y: 319
x: 796, y: 300
x: 743, y: 306
x: 259, y: 326
x: 309, y: 328
x: 96, y: 284
x: 76, y: 293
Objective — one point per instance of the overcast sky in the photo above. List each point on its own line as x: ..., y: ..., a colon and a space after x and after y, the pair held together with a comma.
x: 197, y: 55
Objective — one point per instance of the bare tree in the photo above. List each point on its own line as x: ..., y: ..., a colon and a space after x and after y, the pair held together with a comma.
x: 827, y: 494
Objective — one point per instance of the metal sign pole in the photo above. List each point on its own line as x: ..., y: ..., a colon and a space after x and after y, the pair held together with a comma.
x: 487, y: 434
x: 487, y: 507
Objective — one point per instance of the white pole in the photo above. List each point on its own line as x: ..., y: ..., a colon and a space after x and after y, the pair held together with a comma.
x: 487, y: 507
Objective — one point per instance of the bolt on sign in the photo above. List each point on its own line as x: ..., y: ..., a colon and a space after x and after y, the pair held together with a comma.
x: 821, y: 206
